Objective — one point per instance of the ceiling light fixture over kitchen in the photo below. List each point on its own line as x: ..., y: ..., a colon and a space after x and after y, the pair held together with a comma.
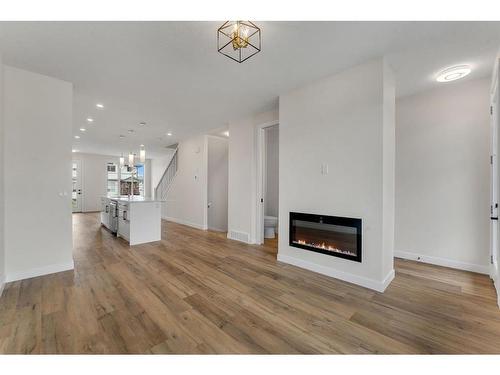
x: 453, y: 73
x: 90, y: 119
x: 238, y: 40
x: 142, y: 124
x: 169, y: 134
x: 142, y: 154
x: 83, y: 129
x: 77, y: 137
x: 99, y: 105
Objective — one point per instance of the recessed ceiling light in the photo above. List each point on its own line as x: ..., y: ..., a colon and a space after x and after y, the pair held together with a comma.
x: 74, y: 150
x: 82, y: 129
x: 169, y: 134
x: 90, y: 119
x: 453, y: 73
x: 99, y: 105
x: 226, y: 133
x: 122, y: 136
x: 142, y: 145
x: 77, y: 137
x: 130, y: 131
x: 142, y: 123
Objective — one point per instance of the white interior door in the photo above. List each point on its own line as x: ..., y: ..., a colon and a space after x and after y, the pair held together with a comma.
x: 76, y: 193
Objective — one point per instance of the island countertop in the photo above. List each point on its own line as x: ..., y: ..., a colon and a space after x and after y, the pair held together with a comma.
x: 125, y: 199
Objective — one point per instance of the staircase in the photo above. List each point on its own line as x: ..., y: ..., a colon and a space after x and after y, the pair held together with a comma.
x: 163, y: 186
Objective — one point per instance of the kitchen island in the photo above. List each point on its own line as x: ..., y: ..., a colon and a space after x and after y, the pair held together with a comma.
x: 135, y: 219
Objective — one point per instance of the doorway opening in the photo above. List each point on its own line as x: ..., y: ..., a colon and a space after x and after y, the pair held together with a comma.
x: 267, y: 221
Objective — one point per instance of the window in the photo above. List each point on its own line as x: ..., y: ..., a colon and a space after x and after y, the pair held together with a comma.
x: 112, y: 171
x: 126, y: 180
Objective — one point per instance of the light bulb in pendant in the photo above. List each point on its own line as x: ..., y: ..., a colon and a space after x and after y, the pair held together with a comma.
x: 142, y: 154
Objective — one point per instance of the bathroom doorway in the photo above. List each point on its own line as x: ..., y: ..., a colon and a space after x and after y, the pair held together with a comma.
x: 267, y: 184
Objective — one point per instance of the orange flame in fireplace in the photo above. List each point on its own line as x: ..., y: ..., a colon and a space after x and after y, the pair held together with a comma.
x: 323, y: 246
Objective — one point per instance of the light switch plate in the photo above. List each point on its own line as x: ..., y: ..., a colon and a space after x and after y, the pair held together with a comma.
x: 324, y: 168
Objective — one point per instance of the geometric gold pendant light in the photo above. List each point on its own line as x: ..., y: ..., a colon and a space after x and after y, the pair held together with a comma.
x: 239, y: 40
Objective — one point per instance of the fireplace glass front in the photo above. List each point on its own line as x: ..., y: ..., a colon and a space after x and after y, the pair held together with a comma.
x: 330, y: 235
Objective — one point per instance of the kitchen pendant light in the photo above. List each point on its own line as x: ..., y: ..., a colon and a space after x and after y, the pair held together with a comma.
x: 238, y: 40
x: 142, y: 154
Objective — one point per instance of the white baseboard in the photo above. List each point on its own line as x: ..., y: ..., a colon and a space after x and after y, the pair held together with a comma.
x: 40, y: 271
x: 379, y: 286
x: 185, y: 222
x: 443, y: 262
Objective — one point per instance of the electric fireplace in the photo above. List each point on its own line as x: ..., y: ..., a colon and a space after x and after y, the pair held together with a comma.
x: 330, y: 235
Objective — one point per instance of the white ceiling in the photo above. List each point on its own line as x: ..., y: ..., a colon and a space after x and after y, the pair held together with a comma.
x: 170, y: 75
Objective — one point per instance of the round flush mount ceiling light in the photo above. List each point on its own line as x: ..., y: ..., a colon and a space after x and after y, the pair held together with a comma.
x: 142, y: 124
x: 453, y: 73
x: 77, y: 137
x: 83, y: 129
x: 169, y: 134
x: 100, y: 106
x: 90, y: 119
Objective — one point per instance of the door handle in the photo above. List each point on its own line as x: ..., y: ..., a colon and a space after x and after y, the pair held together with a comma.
x: 493, y: 218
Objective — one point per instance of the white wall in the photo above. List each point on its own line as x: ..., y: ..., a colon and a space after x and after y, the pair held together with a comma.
x: 272, y: 171
x: 217, y: 183
x: 343, y: 121
x: 187, y: 196
x: 38, y: 135
x: 2, y: 179
x: 388, y: 170
x: 242, y: 175
x: 442, y: 175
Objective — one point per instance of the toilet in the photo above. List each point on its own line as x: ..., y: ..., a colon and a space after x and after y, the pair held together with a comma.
x: 270, y: 226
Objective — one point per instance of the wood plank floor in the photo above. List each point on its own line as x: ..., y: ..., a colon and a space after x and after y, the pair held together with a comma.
x: 198, y: 292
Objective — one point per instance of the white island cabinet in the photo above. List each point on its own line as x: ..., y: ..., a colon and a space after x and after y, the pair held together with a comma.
x: 139, y: 220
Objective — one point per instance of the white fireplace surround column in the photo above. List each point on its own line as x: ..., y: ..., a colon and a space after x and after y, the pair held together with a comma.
x: 337, y: 158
